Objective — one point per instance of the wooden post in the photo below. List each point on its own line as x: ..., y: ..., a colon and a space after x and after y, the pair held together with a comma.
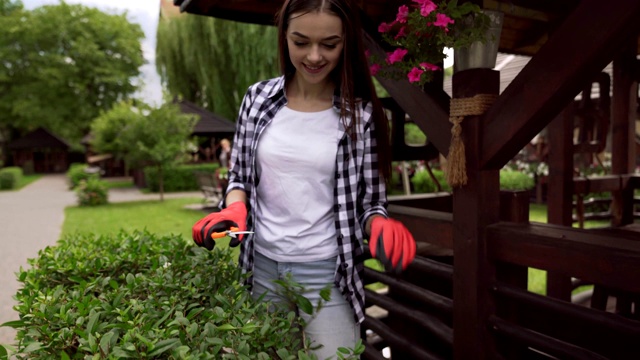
x: 623, y: 120
x: 514, y: 207
x: 475, y: 206
x: 560, y: 189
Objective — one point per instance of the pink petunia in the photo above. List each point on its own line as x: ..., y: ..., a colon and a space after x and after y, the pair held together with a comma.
x: 442, y: 21
x: 401, y: 33
x: 429, y: 66
x: 415, y: 74
x: 426, y: 7
x: 374, y: 69
x: 384, y: 27
x: 403, y: 12
x: 367, y: 53
x: 396, y: 56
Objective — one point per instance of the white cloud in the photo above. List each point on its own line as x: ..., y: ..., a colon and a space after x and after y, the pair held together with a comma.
x: 143, y: 12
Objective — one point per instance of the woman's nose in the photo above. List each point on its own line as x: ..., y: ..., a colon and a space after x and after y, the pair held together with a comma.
x: 314, y: 54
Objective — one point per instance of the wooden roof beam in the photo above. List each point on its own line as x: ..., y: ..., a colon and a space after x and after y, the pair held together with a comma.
x: 578, y: 50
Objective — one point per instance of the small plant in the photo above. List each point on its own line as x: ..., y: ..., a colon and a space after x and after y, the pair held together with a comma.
x: 78, y: 172
x: 92, y: 192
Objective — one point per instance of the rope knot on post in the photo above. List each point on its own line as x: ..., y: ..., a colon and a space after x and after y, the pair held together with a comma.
x: 456, y: 168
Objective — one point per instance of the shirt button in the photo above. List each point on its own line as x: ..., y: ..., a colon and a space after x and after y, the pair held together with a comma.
x: 337, y: 176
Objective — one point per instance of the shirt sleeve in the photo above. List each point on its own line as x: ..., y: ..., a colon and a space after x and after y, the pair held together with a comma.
x: 239, y: 162
x: 372, y: 193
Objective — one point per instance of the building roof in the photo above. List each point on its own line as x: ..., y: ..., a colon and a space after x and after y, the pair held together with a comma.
x: 209, y: 123
x: 39, y: 138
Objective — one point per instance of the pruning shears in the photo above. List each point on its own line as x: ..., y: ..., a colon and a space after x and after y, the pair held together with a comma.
x: 233, y: 232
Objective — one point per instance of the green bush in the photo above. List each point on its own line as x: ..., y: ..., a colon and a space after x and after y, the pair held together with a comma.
x: 78, y: 172
x: 413, y: 135
x: 509, y: 180
x: 423, y: 183
x: 515, y: 180
x: 92, y: 192
x: 143, y: 296
x: 179, y: 178
x: 10, y: 177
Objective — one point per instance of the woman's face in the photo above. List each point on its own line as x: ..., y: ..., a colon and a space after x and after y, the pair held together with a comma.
x: 315, y: 42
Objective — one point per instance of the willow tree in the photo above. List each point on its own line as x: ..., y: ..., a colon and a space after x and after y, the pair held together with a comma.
x: 212, y: 62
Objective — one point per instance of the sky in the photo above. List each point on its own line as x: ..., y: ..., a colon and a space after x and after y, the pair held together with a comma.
x: 143, y: 12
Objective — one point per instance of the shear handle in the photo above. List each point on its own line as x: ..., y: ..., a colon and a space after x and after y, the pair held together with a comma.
x: 218, y: 235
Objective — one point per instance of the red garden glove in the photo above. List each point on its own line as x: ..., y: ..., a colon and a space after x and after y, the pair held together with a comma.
x: 233, y: 215
x: 391, y: 243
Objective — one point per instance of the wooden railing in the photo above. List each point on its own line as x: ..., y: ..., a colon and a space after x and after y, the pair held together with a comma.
x: 414, y: 318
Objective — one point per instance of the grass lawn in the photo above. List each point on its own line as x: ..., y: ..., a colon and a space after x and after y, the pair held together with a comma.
x: 159, y: 217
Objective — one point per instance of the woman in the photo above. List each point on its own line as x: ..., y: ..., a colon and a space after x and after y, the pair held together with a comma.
x: 307, y: 171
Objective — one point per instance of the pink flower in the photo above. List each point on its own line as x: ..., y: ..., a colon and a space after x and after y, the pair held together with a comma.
x: 426, y: 7
x: 442, y: 21
x: 414, y: 75
x: 403, y: 12
x: 396, y: 56
x: 384, y: 27
x: 401, y: 33
x: 367, y: 53
x: 430, y: 67
x: 374, y: 69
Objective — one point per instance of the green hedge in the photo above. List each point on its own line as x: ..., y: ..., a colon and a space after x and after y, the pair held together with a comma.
x: 423, y: 183
x: 509, y: 180
x: 10, y: 177
x: 515, y: 180
x: 179, y: 178
x: 145, y: 297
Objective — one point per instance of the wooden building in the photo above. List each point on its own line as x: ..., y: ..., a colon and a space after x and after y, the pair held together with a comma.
x: 475, y: 304
x: 40, y: 151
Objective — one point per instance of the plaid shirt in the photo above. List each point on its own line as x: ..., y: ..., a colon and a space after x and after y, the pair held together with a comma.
x: 359, y: 191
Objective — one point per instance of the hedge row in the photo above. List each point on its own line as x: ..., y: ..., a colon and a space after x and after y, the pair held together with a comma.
x: 143, y: 296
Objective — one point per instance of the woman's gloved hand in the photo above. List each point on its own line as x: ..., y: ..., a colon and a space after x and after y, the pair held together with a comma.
x: 391, y: 243
x: 234, y: 215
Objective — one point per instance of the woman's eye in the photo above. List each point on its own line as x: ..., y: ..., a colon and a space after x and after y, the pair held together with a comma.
x: 330, y: 46
x: 298, y: 43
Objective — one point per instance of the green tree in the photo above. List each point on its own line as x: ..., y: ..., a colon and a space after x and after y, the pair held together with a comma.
x: 62, y: 65
x: 144, y: 136
x: 212, y: 62
x: 8, y: 7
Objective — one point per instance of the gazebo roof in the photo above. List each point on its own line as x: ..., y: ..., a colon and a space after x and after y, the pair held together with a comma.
x: 527, y: 26
x: 209, y: 123
x: 39, y: 138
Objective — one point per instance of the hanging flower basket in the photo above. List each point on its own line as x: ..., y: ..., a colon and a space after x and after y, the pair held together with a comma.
x: 421, y: 32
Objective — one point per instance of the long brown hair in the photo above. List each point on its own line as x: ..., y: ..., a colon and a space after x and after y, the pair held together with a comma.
x: 351, y: 76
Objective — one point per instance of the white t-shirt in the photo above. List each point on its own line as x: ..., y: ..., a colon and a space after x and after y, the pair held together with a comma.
x: 296, y: 158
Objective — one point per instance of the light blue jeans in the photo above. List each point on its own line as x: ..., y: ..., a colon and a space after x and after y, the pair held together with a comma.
x: 333, y: 326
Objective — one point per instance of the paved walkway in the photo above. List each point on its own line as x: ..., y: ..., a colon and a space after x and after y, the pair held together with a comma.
x: 31, y: 219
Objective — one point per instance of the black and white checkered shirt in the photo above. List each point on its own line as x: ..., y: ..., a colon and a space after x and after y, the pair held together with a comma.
x: 359, y: 190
